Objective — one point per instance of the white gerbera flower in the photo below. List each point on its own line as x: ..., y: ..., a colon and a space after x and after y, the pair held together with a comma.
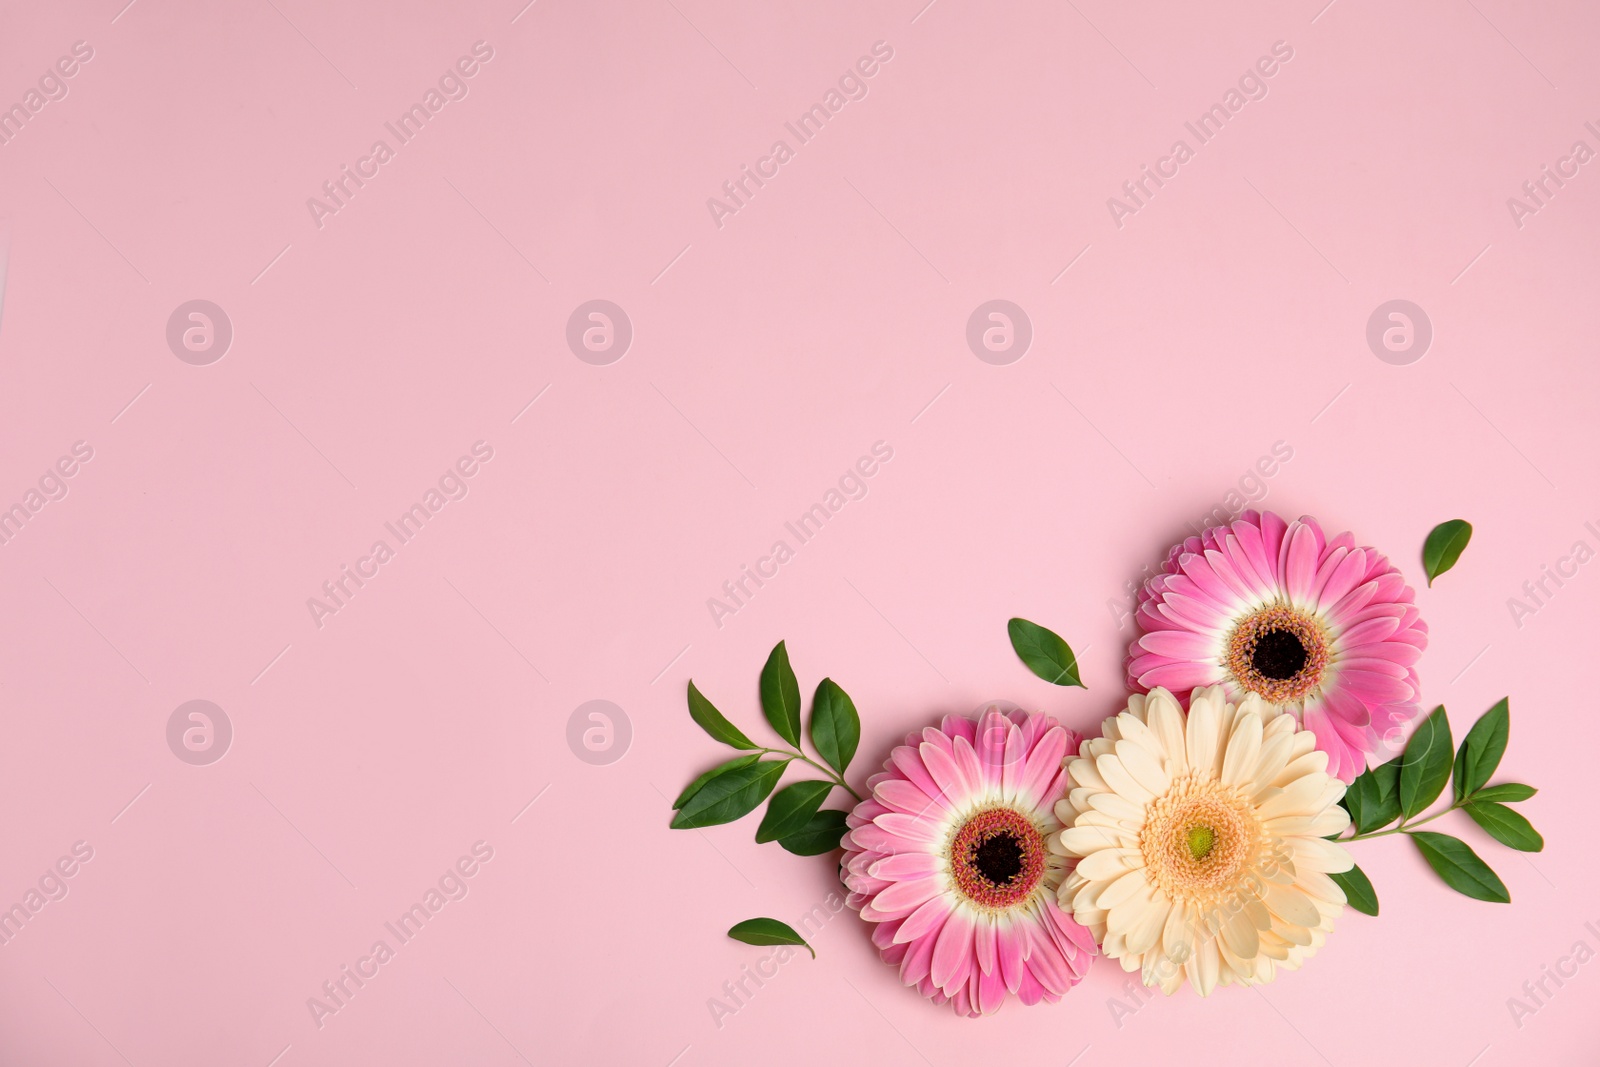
x: 1200, y: 840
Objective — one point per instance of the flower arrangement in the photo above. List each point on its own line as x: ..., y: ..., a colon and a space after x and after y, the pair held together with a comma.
x: 1202, y: 838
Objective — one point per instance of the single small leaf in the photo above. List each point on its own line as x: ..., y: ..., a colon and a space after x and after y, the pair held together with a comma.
x: 694, y: 787
x: 768, y: 932
x: 1444, y: 546
x: 1363, y: 802
x: 714, y: 722
x: 791, y: 808
x: 1044, y: 653
x: 730, y: 795
x: 1387, y: 776
x: 835, y: 725
x: 780, y: 695
x: 1505, y: 793
x: 1425, y: 764
x: 1460, y: 867
x: 1482, y: 748
x: 1373, y: 799
x: 820, y: 835
x: 1508, y: 827
x: 1358, y: 891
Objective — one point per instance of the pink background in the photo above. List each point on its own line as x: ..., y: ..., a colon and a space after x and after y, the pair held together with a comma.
x: 768, y: 354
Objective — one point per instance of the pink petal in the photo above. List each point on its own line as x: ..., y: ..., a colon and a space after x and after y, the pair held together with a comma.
x: 897, y: 794
x: 953, y: 955
x: 942, y: 765
x: 909, y: 763
x: 1181, y: 677
x: 926, y: 921
x: 1179, y: 644
x: 907, y: 866
x: 1011, y: 944
x: 1345, y: 577
x: 985, y: 940
x: 901, y: 899
x: 1207, y: 584
x: 1300, y: 565
x: 1043, y: 766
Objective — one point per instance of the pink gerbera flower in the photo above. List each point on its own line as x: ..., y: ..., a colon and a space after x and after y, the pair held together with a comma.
x: 1320, y: 628
x: 948, y: 858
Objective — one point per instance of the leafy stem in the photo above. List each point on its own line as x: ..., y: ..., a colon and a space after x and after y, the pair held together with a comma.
x: 1404, y: 825
x: 837, y: 779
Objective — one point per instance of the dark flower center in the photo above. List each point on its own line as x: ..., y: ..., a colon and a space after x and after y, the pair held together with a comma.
x: 1279, y: 652
x: 1278, y: 655
x: 998, y: 859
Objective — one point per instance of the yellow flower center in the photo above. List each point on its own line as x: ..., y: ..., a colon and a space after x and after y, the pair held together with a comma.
x: 1199, y: 838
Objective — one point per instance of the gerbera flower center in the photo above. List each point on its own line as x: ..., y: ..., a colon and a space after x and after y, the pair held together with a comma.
x: 997, y: 858
x: 1201, y: 838
x: 1197, y: 839
x: 1278, y: 652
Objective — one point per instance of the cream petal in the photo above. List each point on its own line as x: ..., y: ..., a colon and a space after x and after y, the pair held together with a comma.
x: 1145, y: 933
x: 1080, y: 797
x: 1118, y: 778
x: 1276, y: 748
x: 1335, y: 820
x: 1110, y: 822
x: 1108, y: 863
x: 1299, y: 797
x: 1315, y: 854
x: 1178, y: 937
x: 1239, y: 935
x: 1256, y: 912
x: 1291, y: 906
x: 1118, y: 807
x: 1289, y: 825
x: 1204, y: 968
x: 1320, y: 887
x: 1166, y: 723
x: 1145, y: 768
x: 1123, y: 917
x: 1272, y: 950
x: 1123, y: 888
x: 1083, y: 774
x: 1201, y: 736
x: 1087, y: 840
x: 1244, y: 747
x: 1294, y: 935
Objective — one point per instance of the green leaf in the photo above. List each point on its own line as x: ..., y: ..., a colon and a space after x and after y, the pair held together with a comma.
x: 820, y: 835
x: 768, y: 932
x: 1361, y: 801
x: 1425, y: 764
x: 1506, y: 826
x: 791, y: 809
x: 729, y: 795
x: 780, y: 695
x: 1460, y: 867
x: 1373, y: 799
x: 714, y: 722
x: 1482, y: 748
x: 1505, y: 793
x: 694, y: 787
x: 1444, y: 546
x: 1358, y: 891
x: 1044, y: 653
x: 835, y: 726
x: 1387, y: 775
